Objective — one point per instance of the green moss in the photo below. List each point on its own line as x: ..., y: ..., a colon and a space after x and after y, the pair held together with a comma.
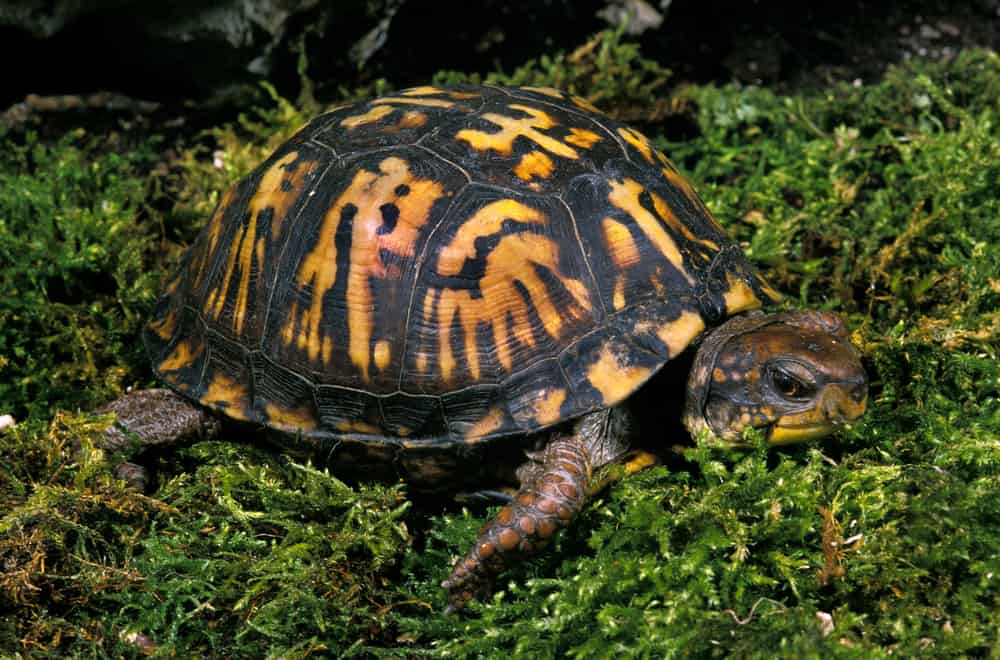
x: 607, y: 70
x: 876, y: 201
x: 76, y: 282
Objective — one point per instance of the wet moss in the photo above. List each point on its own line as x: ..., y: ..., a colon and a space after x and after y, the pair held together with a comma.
x: 877, y: 201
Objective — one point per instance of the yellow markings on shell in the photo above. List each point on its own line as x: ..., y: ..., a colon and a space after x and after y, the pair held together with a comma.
x: 621, y: 246
x: 548, y: 405
x: 639, y: 141
x: 278, y: 189
x: 614, y: 380
x: 303, y: 417
x: 769, y: 291
x: 213, y: 232
x: 229, y: 393
x: 373, y: 115
x: 581, y: 102
x: 430, y: 90
x: 625, y: 196
x: 430, y: 103
x: 511, y: 128
x: 668, y: 216
x: 358, y: 426
x: 486, y: 221
x: 164, y: 327
x: 534, y: 164
x: 412, y: 119
x: 422, y: 90
x: 680, y: 332
x: 489, y: 423
x: 382, y: 354
x: 512, y: 260
x: 546, y: 91
x: 581, y: 137
x: 367, y: 193
x: 677, y: 180
x: 183, y: 354
x: 739, y: 297
x: 618, y: 298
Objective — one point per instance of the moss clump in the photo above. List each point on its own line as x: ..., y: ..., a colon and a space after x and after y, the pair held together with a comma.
x: 606, y: 70
x: 876, y: 201
x: 76, y: 279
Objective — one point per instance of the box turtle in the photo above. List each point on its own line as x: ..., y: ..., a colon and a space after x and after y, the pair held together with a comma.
x: 463, y: 286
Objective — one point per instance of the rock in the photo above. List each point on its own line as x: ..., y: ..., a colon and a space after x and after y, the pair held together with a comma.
x: 215, y: 39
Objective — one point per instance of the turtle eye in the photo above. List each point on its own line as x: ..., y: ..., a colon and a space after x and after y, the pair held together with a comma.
x: 788, y: 385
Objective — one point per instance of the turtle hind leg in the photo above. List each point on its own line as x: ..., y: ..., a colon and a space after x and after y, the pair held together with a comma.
x: 153, y: 418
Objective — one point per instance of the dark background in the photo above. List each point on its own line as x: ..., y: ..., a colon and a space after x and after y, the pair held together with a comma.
x: 183, y: 51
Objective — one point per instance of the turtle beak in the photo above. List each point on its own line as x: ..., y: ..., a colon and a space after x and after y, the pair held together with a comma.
x: 838, y: 405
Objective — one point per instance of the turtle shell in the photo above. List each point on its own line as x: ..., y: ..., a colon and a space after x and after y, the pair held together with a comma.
x: 446, y: 265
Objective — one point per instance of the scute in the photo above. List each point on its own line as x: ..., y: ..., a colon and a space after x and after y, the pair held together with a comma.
x: 445, y: 266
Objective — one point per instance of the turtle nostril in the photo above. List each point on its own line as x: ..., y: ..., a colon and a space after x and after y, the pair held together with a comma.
x: 842, y: 406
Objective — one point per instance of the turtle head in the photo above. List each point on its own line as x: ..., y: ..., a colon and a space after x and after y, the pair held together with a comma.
x: 793, y: 375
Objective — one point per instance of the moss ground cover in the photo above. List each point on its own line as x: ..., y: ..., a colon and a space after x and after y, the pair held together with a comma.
x: 878, y: 201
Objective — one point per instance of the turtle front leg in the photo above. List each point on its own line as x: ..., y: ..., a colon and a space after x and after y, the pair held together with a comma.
x: 156, y: 417
x: 554, y: 487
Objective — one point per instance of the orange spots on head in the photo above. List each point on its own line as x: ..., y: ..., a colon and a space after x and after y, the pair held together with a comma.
x: 582, y: 138
x: 489, y: 423
x: 511, y: 128
x: 680, y: 332
x: 369, y: 196
x: 739, y: 296
x: 615, y: 380
x: 291, y: 419
x: 183, y: 355
x: 625, y: 196
x: 373, y: 115
x: 513, y: 259
x: 621, y: 246
x: 548, y: 405
x: 534, y: 164
x: 228, y: 393
x: 279, y: 188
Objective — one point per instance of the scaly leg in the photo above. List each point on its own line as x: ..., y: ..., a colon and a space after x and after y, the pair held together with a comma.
x: 157, y: 417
